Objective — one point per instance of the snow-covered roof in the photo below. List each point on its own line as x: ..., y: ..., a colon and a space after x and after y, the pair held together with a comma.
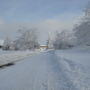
x: 43, y: 45
x: 1, y: 42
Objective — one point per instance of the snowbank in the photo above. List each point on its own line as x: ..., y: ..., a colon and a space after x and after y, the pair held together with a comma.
x: 78, y: 54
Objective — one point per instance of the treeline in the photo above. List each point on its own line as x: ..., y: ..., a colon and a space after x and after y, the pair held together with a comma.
x: 26, y: 40
x: 80, y: 34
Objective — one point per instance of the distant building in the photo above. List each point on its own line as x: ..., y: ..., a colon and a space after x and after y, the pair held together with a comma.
x: 43, y: 47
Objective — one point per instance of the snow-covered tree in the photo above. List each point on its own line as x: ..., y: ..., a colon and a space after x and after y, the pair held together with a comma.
x: 83, y: 29
x: 63, y: 39
x: 27, y: 40
x: 7, y: 43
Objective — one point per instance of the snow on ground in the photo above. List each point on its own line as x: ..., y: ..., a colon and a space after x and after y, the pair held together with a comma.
x: 77, y: 67
x: 49, y: 70
x: 5, y: 52
x: 13, y: 56
x: 78, y: 54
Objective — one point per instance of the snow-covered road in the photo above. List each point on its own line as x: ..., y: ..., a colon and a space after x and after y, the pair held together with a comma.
x: 46, y: 71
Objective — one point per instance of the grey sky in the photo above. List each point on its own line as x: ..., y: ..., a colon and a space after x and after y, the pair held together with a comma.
x: 45, y: 15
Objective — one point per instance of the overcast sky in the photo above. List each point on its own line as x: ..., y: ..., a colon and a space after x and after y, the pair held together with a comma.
x: 45, y: 15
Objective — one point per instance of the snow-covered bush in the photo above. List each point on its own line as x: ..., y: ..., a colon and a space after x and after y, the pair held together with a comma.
x: 7, y: 43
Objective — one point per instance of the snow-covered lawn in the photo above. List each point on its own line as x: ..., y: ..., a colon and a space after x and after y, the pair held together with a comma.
x: 49, y: 70
x: 5, y: 52
x: 80, y: 55
x: 13, y: 56
x: 76, y: 63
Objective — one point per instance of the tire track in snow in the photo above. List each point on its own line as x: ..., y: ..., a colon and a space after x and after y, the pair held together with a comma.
x: 59, y: 79
x: 77, y: 73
